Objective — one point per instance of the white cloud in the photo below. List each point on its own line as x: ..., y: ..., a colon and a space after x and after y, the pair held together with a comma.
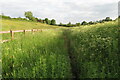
x: 62, y: 10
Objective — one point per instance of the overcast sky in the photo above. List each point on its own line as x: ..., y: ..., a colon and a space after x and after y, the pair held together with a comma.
x: 62, y: 10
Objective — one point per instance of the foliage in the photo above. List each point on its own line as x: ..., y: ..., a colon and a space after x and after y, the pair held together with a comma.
x: 91, y: 22
x: 30, y: 16
x: 47, y: 21
x: 53, y: 22
x: 69, y: 24
x: 84, y: 23
x: 108, y: 19
x: 96, y: 50
x: 5, y: 17
x: 44, y: 55
x: 36, y: 56
x: 60, y: 24
x: 77, y: 24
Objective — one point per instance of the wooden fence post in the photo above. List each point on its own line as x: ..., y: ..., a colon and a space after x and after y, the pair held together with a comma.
x: 12, y: 34
x: 33, y: 31
x: 24, y: 32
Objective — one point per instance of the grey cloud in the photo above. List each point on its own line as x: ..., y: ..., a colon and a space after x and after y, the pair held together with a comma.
x: 106, y: 9
x: 93, y: 12
x: 119, y: 8
x: 63, y: 11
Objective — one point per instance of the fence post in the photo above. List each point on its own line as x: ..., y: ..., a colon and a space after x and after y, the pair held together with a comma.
x: 12, y: 34
x: 24, y: 32
x: 32, y: 31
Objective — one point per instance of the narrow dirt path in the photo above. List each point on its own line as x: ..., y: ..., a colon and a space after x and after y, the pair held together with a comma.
x: 72, y: 57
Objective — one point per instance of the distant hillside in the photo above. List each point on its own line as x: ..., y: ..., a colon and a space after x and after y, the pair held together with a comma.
x: 14, y: 24
x: 20, y: 25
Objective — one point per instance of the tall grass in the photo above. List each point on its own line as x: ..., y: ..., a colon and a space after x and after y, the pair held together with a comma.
x: 96, y: 50
x: 38, y: 55
x: 44, y: 54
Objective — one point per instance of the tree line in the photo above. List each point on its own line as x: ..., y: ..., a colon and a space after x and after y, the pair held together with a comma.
x: 29, y: 17
x: 86, y: 23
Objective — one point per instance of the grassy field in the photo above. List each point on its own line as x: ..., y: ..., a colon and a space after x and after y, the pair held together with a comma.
x: 91, y: 51
x: 96, y: 50
x: 39, y: 55
x: 21, y: 25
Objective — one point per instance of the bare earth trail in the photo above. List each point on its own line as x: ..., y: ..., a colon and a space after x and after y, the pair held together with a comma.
x: 72, y: 57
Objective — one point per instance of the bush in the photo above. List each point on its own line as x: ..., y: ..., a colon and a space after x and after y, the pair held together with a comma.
x: 5, y: 17
x: 84, y: 23
x: 53, y: 22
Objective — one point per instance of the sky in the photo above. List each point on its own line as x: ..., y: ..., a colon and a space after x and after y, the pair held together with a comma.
x: 62, y: 10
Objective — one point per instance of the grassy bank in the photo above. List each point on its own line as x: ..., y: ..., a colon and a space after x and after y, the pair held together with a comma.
x: 21, y: 25
x: 96, y: 50
x: 84, y: 52
x: 39, y: 55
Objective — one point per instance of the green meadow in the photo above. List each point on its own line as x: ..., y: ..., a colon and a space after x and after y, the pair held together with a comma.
x: 11, y: 24
x: 89, y: 51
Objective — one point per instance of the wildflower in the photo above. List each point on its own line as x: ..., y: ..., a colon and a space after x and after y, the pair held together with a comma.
x: 7, y: 48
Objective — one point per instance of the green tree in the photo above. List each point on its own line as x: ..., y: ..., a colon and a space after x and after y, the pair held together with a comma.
x: 84, y: 23
x: 5, y: 17
x: 34, y: 19
x: 60, y: 24
x: 100, y: 21
x: 69, y: 24
x: 108, y: 19
x: 53, y: 22
x: 29, y: 15
x: 44, y: 21
x: 77, y: 24
x: 91, y: 22
x: 47, y: 21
